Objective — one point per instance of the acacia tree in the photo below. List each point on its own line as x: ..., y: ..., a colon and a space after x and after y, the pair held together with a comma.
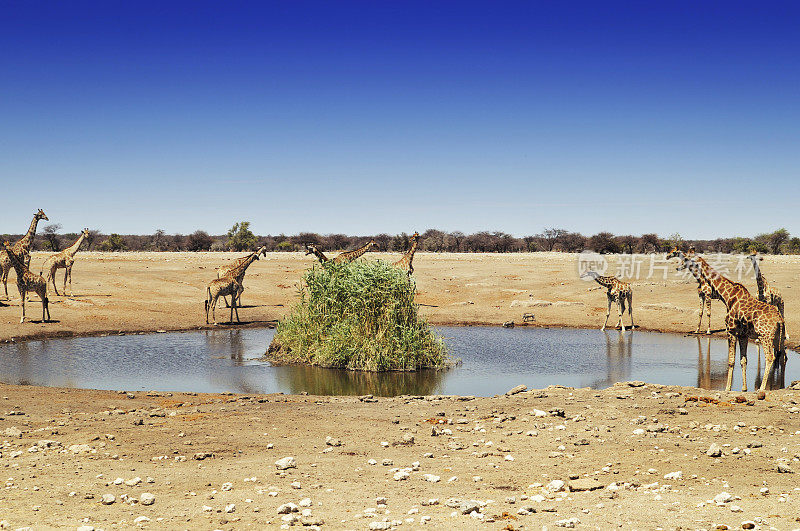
x: 240, y: 238
x: 50, y: 235
x: 552, y: 235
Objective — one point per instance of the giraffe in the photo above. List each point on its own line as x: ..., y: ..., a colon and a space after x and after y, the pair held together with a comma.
x: 704, y: 289
x: 616, y: 291
x: 766, y: 293
x: 747, y: 317
x: 27, y: 281
x: 406, y: 259
x: 22, y: 248
x: 63, y: 260
x: 227, y: 285
x: 311, y: 249
x: 348, y: 256
x: 238, y: 268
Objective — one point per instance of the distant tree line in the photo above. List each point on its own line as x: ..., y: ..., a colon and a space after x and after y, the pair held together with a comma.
x: 241, y: 238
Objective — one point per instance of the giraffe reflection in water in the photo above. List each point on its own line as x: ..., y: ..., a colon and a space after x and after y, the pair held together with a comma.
x: 709, y: 377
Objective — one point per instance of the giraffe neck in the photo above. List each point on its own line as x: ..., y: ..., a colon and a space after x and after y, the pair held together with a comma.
x: 26, y: 240
x: 352, y: 255
x: 241, y: 268
x: 72, y: 249
x: 319, y: 254
x: 19, y: 266
x: 726, y: 288
x: 410, y: 253
x: 760, y: 281
x: 603, y: 281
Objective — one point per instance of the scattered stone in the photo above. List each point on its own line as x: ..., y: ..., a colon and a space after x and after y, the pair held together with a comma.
x: 784, y: 468
x: 748, y: 524
x: 108, y: 499
x: 431, y: 478
x: 636, y: 383
x: 330, y: 441
x: 13, y: 431
x: 287, y: 508
x: 133, y: 481
x: 285, y: 463
x: 723, y: 497
x: 231, y: 507
x: 516, y: 390
x: 674, y: 475
x: 80, y: 448
x: 555, y: 486
x: 147, y: 498
x: 227, y: 486
x: 569, y: 522
x: 714, y: 450
x: 584, y: 484
x: 141, y: 520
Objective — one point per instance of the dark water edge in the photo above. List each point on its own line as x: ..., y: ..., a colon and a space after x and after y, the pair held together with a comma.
x: 493, y: 360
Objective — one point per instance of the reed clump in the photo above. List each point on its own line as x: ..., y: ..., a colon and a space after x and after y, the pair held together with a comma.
x: 357, y: 316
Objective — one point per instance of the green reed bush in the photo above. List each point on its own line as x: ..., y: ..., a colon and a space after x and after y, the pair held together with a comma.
x: 358, y: 316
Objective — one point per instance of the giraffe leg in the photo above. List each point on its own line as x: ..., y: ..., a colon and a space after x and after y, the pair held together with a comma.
x: 630, y: 309
x: 213, y: 308
x: 608, y: 312
x: 702, y: 307
x: 22, y: 295
x: 708, y: 308
x: 621, y: 310
x: 743, y: 361
x: 5, y: 281
x: 731, y: 359
x: 64, y: 289
x: 45, y: 304
x: 769, y: 358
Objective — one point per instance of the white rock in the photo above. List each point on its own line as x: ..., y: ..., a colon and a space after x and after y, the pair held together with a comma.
x: 555, y: 486
x: 231, y: 507
x: 401, y: 475
x: 147, y: 498
x: 723, y: 497
x: 285, y: 463
x: 305, y: 502
x: 714, y: 450
x: 133, y: 481
x: 287, y: 508
x: 431, y: 478
x: 108, y: 499
x: 674, y: 475
x: 141, y: 520
x: 569, y: 522
x: 227, y: 486
x: 380, y: 525
x: 80, y: 448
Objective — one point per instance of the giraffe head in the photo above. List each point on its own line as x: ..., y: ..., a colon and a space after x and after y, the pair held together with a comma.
x: 262, y: 251
x: 41, y: 215
x: 415, y: 236
x: 590, y: 274
x: 677, y: 253
x: 85, y: 233
x: 755, y: 257
x: 310, y: 249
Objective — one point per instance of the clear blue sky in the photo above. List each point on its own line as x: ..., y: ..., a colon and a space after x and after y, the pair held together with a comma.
x: 368, y: 117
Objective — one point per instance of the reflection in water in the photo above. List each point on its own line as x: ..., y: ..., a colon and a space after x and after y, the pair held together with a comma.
x: 318, y: 381
x: 493, y: 361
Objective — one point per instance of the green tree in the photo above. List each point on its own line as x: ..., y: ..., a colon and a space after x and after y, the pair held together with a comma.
x: 113, y: 243
x: 240, y: 238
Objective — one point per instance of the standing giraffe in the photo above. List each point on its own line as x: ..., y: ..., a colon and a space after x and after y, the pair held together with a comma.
x: 747, y: 317
x: 63, y: 260
x: 22, y: 248
x: 237, y: 270
x: 226, y: 285
x: 616, y: 291
x: 766, y: 293
x: 27, y: 281
x: 311, y: 249
x: 704, y: 289
x: 405, y: 262
x: 348, y: 256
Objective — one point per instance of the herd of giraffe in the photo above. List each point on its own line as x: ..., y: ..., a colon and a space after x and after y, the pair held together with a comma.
x: 229, y: 278
x: 760, y: 318
x: 18, y: 256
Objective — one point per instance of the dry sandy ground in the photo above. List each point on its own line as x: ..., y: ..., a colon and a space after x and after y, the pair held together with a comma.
x: 63, y: 449
x: 644, y: 449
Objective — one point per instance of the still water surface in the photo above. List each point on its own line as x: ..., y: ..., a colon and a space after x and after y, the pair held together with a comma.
x: 494, y: 360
